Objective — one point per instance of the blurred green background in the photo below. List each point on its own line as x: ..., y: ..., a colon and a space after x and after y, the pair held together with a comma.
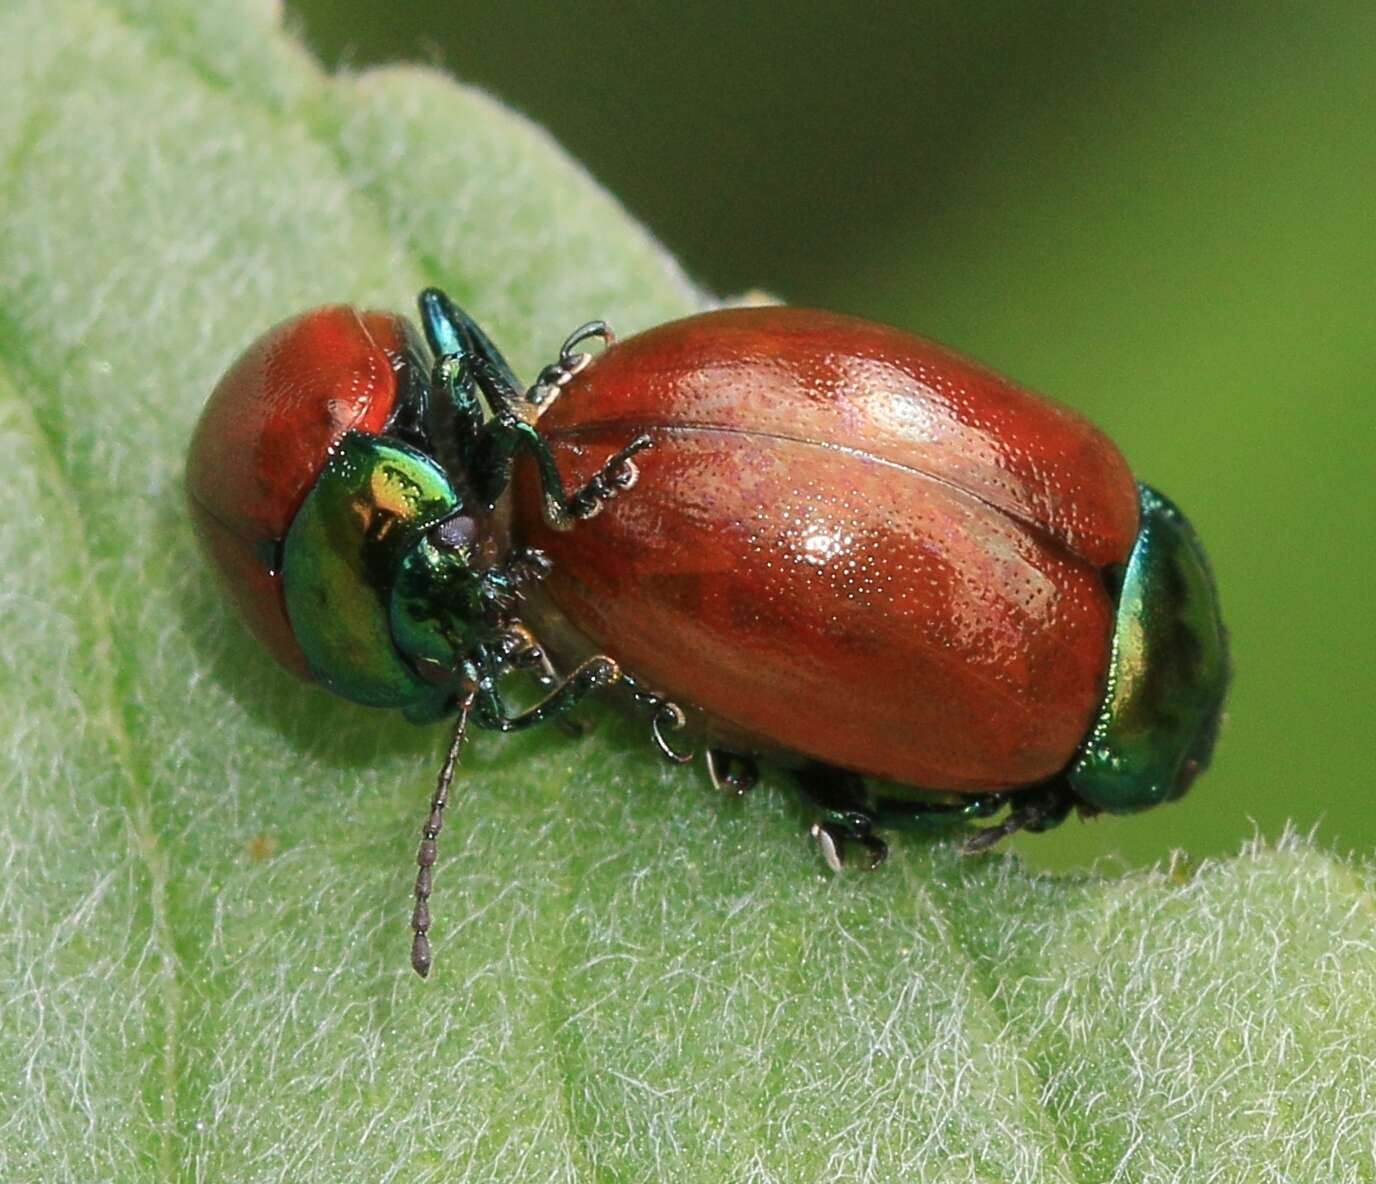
x: 1163, y: 214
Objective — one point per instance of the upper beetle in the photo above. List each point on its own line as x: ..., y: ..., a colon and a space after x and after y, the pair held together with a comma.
x: 927, y: 589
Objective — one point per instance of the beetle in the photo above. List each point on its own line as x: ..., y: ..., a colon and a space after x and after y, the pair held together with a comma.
x: 795, y: 534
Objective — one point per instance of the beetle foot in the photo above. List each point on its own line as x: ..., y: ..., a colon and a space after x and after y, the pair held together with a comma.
x: 1033, y: 810
x: 556, y: 375
x: 833, y: 837
x: 732, y: 773
x: 502, y: 588
x: 527, y: 565
x: 521, y: 650
x: 665, y: 716
x: 668, y: 717
x: 616, y: 476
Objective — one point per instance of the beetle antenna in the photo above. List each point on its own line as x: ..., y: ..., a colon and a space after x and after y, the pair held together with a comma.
x: 434, y: 823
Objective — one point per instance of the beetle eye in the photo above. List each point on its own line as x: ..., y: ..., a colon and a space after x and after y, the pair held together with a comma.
x: 457, y: 533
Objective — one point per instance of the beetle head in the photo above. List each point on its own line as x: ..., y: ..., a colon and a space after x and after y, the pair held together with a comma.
x: 1163, y: 706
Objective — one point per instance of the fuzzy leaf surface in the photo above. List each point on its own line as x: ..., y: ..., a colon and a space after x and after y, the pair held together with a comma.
x: 205, y: 866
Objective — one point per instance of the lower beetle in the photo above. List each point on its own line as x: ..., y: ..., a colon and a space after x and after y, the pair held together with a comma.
x: 816, y: 539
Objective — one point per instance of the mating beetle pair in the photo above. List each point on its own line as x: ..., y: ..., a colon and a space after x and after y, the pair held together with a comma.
x: 813, y: 537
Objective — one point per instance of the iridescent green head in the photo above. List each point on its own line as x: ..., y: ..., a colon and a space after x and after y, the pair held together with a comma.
x: 1168, y: 676
x: 387, y: 575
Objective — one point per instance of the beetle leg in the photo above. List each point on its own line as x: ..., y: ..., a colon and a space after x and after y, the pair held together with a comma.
x: 507, y: 434
x: 732, y: 773
x: 488, y: 446
x: 525, y: 566
x: 466, y: 362
x: 450, y: 330
x: 523, y: 650
x: 592, y: 675
x: 834, y: 835
x: 665, y: 716
x: 1036, y: 809
x: 453, y: 375
x: 668, y: 717
x: 502, y: 588
x: 617, y: 475
x: 846, y: 816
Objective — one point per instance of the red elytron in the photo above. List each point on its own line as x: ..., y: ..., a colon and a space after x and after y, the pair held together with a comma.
x: 264, y: 438
x: 845, y: 542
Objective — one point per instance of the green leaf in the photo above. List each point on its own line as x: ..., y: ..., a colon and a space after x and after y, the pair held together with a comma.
x: 205, y: 866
